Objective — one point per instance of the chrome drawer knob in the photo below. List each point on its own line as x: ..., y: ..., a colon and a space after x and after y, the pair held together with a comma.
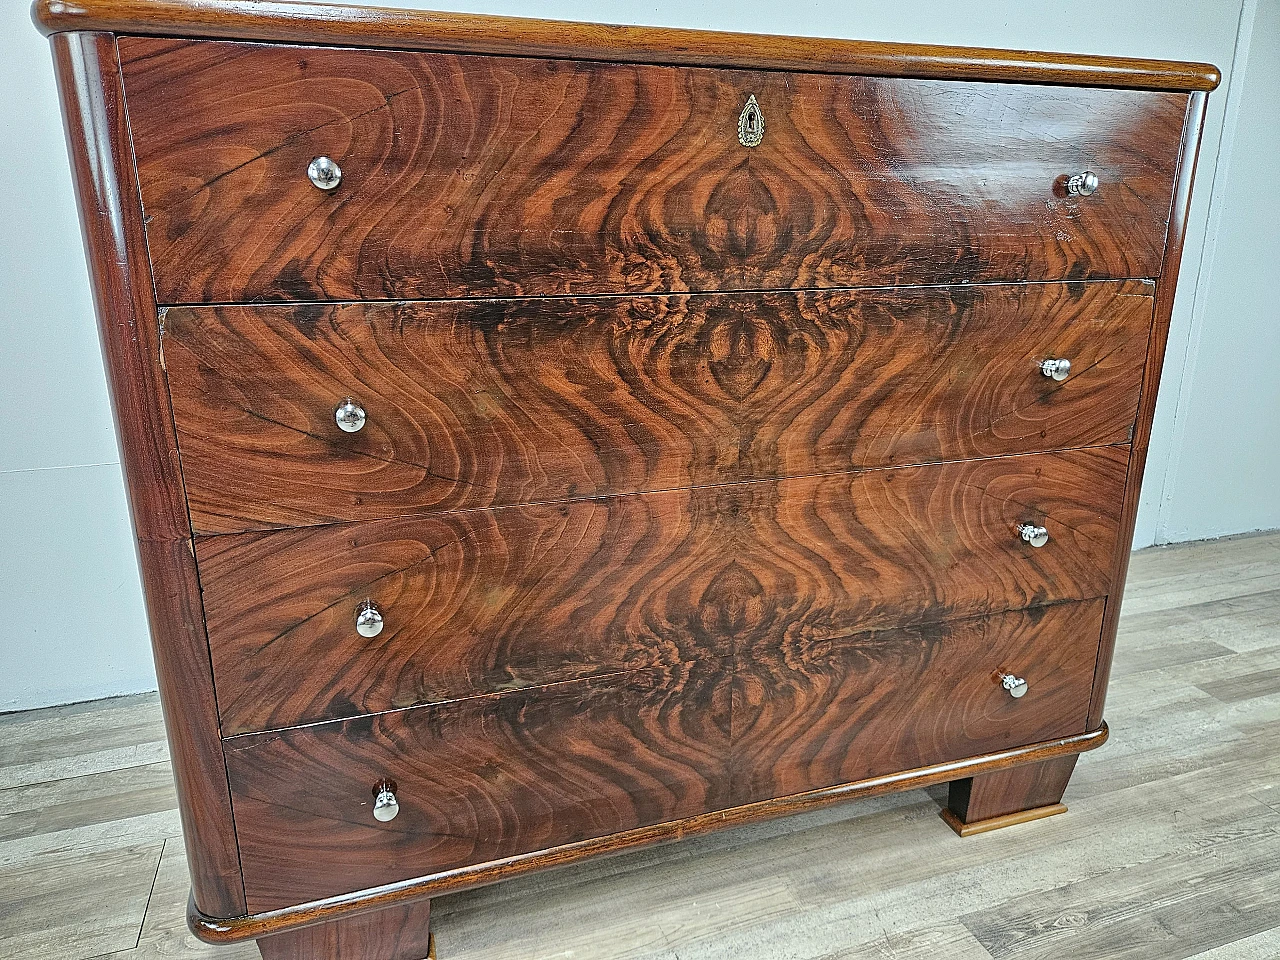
x: 350, y: 416
x: 1015, y: 685
x: 324, y: 173
x: 368, y: 619
x: 1032, y: 534
x: 1058, y: 369
x: 1082, y: 184
x: 385, y: 804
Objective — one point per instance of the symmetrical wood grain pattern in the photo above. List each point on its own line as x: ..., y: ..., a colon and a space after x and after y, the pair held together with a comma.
x: 348, y: 26
x: 1165, y: 292
x: 469, y: 176
x: 510, y: 401
x: 487, y: 778
x: 809, y: 714
x: 480, y: 601
x: 675, y: 519
x: 402, y: 932
x: 87, y: 68
x: 477, y: 780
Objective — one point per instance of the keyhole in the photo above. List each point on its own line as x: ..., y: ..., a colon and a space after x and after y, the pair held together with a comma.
x: 751, y: 123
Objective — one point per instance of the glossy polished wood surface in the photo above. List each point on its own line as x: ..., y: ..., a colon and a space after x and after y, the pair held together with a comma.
x: 402, y: 932
x: 477, y: 780
x: 811, y: 713
x: 223, y: 931
x: 488, y: 778
x: 609, y: 624
x: 485, y: 601
x: 482, y: 404
x: 325, y: 23
x: 87, y: 70
x: 470, y: 176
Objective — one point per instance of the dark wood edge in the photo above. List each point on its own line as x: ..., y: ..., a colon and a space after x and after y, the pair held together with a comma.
x: 1166, y: 288
x: 214, y: 930
x: 331, y: 24
x: 90, y: 88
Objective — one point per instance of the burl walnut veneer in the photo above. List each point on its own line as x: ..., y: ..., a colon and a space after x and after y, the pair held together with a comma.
x: 549, y: 439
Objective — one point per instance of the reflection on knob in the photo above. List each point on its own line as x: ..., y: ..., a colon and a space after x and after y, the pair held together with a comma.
x: 385, y: 805
x: 1082, y: 184
x: 1015, y: 685
x: 350, y: 416
x: 1058, y: 369
x: 324, y: 173
x: 1034, y: 535
x: 368, y: 619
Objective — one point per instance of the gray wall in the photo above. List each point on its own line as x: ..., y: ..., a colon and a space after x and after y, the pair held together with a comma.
x: 71, y: 619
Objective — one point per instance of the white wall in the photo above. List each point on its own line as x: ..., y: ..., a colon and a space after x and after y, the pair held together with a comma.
x: 71, y: 617
x: 71, y: 620
x: 1222, y: 473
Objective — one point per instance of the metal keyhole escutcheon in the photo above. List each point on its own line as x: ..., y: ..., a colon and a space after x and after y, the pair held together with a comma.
x: 751, y: 124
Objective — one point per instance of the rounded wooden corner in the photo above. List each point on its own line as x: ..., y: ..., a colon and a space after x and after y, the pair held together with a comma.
x: 50, y: 15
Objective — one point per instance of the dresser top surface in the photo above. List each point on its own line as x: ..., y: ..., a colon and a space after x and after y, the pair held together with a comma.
x: 366, y: 26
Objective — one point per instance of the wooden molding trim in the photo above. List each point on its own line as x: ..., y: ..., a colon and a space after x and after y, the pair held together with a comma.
x: 329, y: 24
x: 214, y: 930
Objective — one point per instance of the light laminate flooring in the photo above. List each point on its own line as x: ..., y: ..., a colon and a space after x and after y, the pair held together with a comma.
x: 1171, y: 847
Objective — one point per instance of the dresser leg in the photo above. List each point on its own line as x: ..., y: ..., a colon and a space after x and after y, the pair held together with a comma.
x: 392, y: 933
x: 1006, y: 797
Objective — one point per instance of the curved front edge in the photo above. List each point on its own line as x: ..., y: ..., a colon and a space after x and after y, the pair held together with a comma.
x: 215, y: 930
x: 88, y: 74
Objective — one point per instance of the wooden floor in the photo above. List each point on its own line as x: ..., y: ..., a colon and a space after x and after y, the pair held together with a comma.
x: 1171, y: 847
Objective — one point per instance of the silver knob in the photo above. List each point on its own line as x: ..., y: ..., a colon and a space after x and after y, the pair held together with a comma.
x: 1034, y: 535
x: 1058, y: 369
x: 1082, y: 184
x: 385, y: 804
x: 1015, y: 685
x: 368, y: 619
x: 324, y: 173
x: 350, y: 416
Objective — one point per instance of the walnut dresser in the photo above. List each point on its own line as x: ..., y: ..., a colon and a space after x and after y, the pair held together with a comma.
x: 545, y: 439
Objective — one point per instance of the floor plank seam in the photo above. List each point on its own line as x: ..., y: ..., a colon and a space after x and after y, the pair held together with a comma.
x: 142, y: 925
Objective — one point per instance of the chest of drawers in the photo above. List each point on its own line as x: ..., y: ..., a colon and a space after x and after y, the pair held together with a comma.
x: 545, y: 440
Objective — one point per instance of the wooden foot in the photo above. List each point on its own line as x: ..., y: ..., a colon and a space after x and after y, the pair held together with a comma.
x: 1001, y: 799
x: 392, y: 933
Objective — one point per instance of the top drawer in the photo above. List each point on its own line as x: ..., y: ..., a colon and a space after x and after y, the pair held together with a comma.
x: 485, y: 176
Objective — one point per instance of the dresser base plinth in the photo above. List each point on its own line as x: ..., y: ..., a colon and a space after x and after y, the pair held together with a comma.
x: 995, y: 823
x: 1018, y: 794
x: 392, y: 933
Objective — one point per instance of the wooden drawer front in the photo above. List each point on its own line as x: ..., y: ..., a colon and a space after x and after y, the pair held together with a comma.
x: 484, y: 176
x: 492, y: 777
x: 482, y: 601
x: 811, y: 714
x: 484, y: 404
x: 477, y: 780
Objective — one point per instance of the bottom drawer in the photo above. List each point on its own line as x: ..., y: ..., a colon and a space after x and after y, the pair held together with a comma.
x: 495, y: 776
